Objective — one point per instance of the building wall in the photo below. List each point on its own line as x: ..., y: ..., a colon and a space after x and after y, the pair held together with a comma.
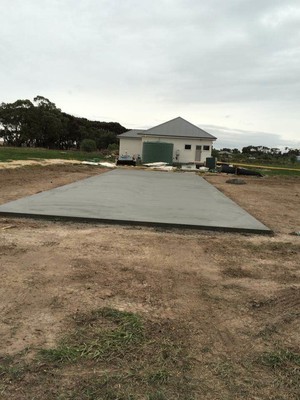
x: 185, y: 156
x: 132, y: 147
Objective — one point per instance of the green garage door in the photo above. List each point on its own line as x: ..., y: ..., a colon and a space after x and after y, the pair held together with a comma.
x: 157, y: 152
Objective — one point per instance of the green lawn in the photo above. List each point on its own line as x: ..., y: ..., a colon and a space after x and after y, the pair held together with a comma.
x: 266, y: 167
x: 24, y: 153
x: 20, y: 153
x: 272, y: 172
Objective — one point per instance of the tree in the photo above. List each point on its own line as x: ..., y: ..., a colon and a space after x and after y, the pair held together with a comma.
x: 215, y: 153
x: 104, y: 138
x: 42, y: 124
x: 44, y: 103
x: 248, y: 149
x: 15, y: 119
x: 88, y: 145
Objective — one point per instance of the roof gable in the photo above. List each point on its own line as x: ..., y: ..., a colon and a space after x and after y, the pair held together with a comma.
x: 178, y: 127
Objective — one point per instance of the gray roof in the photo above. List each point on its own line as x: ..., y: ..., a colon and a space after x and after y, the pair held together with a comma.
x: 178, y: 127
x: 133, y: 133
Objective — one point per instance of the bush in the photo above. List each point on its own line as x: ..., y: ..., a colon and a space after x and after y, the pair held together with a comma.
x: 113, y: 147
x: 88, y: 145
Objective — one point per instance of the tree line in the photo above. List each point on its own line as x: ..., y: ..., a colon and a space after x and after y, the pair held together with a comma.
x: 41, y: 124
x: 261, y: 150
x: 258, y: 150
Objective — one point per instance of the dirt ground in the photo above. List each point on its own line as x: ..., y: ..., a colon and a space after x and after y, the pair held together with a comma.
x: 38, y: 162
x: 233, y: 298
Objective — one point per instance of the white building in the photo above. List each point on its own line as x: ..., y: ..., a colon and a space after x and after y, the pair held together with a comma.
x: 175, y: 141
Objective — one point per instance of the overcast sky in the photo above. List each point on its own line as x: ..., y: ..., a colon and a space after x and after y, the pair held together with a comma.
x: 231, y: 67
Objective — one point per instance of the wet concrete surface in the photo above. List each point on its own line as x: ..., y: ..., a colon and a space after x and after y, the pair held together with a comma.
x: 140, y: 197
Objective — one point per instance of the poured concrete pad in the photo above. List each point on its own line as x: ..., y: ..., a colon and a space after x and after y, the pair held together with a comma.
x: 145, y: 197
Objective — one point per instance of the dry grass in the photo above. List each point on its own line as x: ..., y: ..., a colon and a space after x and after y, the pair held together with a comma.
x: 106, y: 354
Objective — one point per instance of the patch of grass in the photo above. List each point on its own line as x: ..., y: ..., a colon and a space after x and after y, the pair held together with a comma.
x: 156, y: 396
x: 104, y: 388
x: 281, y: 359
x: 107, y: 354
x: 12, y: 372
x: 281, y: 162
x: 284, y: 364
x: 90, y: 342
x: 224, y: 369
x: 63, y: 353
x: 20, y: 153
x: 281, y: 248
x: 280, y: 172
x: 159, y: 377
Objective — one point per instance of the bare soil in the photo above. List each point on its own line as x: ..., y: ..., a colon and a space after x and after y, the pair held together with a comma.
x: 233, y: 299
x: 275, y: 200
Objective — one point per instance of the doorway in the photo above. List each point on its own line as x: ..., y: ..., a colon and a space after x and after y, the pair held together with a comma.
x: 198, y: 153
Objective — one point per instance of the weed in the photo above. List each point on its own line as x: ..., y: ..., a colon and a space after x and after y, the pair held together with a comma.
x: 156, y: 396
x: 11, y: 370
x: 159, y: 377
x: 285, y: 367
x: 280, y: 359
x: 224, y: 369
x: 110, y: 355
x: 107, y: 387
x: 104, y: 389
x: 63, y: 353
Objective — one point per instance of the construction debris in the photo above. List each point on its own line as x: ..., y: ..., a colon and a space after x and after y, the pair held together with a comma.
x: 230, y: 169
x: 101, y: 164
x: 296, y: 233
x: 156, y: 164
x: 161, y: 166
x: 107, y: 164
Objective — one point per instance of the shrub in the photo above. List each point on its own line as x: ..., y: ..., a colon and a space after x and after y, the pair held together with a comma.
x: 88, y: 145
x: 113, y: 147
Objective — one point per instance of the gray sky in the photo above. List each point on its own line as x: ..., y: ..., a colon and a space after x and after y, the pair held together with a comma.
x: 231, y: 67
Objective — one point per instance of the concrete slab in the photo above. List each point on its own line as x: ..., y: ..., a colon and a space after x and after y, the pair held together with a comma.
x: 140, y: 197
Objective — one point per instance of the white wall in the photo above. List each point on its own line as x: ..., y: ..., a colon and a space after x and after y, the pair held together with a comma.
x: 185, y: 156
x: 132, y: 147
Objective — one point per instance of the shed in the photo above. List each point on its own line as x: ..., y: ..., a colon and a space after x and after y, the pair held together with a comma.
x: 186, y: 143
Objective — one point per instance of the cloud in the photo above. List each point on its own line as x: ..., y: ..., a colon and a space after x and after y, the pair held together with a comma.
x: 116, y: 56
x: 238, y: 138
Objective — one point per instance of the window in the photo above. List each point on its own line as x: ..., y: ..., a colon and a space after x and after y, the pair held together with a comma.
x: 205, y: 147
x: 187, y: 146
